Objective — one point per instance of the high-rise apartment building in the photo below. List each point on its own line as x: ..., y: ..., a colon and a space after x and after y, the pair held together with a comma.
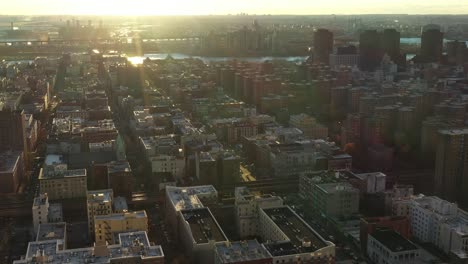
x: 370, y: 50
x: 451, y: 171
x: 431, y: 43
x: 323, y: 45
x: 391, y: 44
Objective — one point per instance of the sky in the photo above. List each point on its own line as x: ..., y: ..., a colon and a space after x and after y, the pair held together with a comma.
x: 214, y: 7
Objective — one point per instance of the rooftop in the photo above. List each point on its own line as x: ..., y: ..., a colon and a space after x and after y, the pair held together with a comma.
x: 239, y: 251
x: 41, y: 200
x: 393, y: 241
x: 188, y: 197
x: 336, y: 187
x: 100, y: 196
x: 302, y: 237
x: 203, y: 225
x: 454, y: 132
x: 118, y: 166
x: 131, y: 245
x: 54, y: 174
x: 122, y: 216
x: 281, y: 248
x: 120, y: 204
x: 51, y: 231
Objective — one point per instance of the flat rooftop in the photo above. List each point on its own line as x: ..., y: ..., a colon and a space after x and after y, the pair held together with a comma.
x: 188, y: 197
x: 100, y: 196
x: 454, y: 132
x: 393, y: 241
x: 42, y: 199
x: 122, y: 216
x: 51, y: 231
x: 299, y: 233
x: 46, y: 174
x: 203, y: 226
x: 240, y: 251
x: 364, y: 176
x: 337, y: 187
x: 131, y: 245
x: 52, y: 159
x: 282, y: 248
x: 118, y: 166
x: 120, y: 204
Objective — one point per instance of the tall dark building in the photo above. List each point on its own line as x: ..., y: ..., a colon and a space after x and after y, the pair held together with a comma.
x: 451, y: 170
x: 431, y: 43
x: 370, y: 50
x: 323, y: 45
x: 391, y: 44
x: 12, y: 131
x: 457, y: 52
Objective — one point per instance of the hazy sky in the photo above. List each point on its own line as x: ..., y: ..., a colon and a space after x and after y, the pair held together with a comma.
x: 198, y: 7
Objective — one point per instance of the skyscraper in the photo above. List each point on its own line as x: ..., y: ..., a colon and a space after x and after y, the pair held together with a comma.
x: 431, y: 43
x: 323, y: 45
x: 451, y: 171
x: 391, y: 44
x: 370, y: 50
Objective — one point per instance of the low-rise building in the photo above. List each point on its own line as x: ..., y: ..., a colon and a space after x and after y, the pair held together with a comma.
x: 98, y: 202
x: 132, y: 248
x: 180, y: 198
x: 60, y: 183
x: 166, y: 163
x: 53, y: 231
x: 199, y: 232
x: 247, y: 206
x: 45, y: 212
x: 389, y: 247
x: 242, y: 252
x: 107, y: 226
x: 335, y: 199
x: 399, y: 224
x: 292, y: 238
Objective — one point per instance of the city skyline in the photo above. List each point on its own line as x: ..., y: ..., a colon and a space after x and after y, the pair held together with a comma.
x: 211, y: 7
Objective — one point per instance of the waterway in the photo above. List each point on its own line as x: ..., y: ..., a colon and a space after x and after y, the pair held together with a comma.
x: 179, y: 56
x: 417, y: 41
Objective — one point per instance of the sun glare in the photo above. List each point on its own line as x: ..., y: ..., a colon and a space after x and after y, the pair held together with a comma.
x: 142, y: 7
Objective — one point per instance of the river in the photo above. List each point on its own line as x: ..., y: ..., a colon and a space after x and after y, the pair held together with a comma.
x: 206, y: 59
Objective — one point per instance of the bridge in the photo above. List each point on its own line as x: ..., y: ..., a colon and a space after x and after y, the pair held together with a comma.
x: 129, y: 41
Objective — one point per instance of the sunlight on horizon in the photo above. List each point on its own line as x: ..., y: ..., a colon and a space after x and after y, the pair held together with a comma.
x: 206, y: 7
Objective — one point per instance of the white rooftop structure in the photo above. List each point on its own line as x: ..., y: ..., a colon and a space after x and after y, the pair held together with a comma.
x: 131, y: 245
x: 189, y: 197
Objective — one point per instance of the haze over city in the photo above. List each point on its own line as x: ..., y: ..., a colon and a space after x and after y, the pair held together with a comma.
x: 233, y: 132
x: 214, y: 7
